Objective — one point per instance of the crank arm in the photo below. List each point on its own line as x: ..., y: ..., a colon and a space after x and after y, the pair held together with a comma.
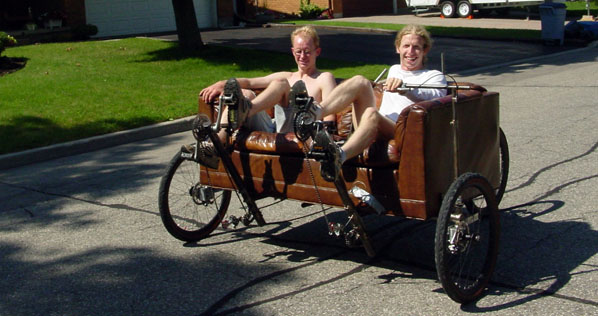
x: 354, y: 216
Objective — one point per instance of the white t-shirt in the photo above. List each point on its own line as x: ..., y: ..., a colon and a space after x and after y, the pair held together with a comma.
x: 393, y: 103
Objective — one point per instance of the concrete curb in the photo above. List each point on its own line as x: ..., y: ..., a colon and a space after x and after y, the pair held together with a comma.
x: 26, y: 157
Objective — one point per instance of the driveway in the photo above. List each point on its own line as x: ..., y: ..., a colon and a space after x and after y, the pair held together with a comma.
x: 377, y: 46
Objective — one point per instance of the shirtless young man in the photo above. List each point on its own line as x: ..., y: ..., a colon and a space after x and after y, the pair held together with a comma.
x: 250, y: 109
x: 412, y: 44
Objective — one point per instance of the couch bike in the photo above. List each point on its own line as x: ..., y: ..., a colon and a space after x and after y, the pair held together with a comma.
x: 448, y: 162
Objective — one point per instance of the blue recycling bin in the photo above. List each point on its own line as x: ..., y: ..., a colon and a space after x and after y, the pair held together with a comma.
x: 553, y: 21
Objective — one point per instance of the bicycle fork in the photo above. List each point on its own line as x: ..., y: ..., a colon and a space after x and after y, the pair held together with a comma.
x: 358, y: 230
x: 202, y: 126
x: 236, y: 177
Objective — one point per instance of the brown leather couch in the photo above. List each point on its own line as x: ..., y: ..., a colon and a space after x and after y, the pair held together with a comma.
x: 408, y: 175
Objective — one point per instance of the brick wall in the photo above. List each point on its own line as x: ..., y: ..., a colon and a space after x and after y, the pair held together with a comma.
x: 283, y: 6
x: 225, y: 8
x: 75, y: 11
x: 345, y: 8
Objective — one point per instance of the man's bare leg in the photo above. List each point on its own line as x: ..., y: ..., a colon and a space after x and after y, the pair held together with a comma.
x: 370, y: 124
x: 356, y: 90
x: 277, y: 92
x: 373, y: 125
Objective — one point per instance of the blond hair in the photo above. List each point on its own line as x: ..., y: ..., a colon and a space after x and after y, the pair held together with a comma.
x: 416, y: 30
x: 308, y: 30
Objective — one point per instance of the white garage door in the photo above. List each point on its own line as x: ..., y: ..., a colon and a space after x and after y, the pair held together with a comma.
x: 123, y: 17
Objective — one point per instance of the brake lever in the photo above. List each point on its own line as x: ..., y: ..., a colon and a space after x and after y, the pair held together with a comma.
x: 380, y: 76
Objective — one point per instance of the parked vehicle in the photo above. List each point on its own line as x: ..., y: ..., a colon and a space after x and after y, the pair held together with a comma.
x: 465, y: 8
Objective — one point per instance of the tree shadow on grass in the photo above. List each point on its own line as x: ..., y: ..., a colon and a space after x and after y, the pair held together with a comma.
x: 27, y: 131
x: 11, y: 64
x: 245, y: 59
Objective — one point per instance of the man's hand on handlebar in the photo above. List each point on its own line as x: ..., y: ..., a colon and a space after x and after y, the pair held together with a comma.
x: 394, y: 85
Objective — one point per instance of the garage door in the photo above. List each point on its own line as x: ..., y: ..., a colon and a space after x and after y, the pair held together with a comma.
x: 124, y: 17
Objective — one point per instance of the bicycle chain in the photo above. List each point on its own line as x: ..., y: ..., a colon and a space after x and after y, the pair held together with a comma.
x: 313, y: 179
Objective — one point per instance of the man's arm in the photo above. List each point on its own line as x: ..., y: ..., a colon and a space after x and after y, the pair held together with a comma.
x: 434, y: 78
x: 416, y: 95
x: 213, y: 91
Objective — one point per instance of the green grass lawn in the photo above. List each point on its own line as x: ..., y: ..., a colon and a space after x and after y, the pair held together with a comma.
x: 69, y: 91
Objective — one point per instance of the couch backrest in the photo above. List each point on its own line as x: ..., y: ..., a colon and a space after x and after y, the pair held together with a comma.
x: 477, y: 119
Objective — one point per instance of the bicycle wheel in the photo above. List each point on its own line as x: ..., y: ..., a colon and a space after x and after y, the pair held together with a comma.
x: 189, y: 210
x: 467, y: 238
x: 504, y: 166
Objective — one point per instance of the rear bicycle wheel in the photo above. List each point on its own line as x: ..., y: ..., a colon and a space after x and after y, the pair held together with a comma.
x: 189, y: 210
x: 467, y: 238
x: 504, y: 166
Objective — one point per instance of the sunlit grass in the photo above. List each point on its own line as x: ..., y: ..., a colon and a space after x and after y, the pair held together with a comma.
x: 69, y: 91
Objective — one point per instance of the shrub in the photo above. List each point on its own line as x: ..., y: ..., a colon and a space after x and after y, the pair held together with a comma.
x: 6, y: 41
x: 307, y: 10
x: 83, y: 32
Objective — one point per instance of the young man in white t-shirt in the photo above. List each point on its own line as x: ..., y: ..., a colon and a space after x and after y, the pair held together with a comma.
x: 412, y: 43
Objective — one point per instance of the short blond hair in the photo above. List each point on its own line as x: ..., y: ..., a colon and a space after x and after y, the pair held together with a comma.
x: 417, y: 30
x: 308, y: 30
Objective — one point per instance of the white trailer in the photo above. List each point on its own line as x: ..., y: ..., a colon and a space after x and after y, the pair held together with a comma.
x: 465, y: 8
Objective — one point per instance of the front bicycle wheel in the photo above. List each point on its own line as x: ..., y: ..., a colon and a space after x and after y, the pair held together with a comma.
x: 467, y: 238
x: 189, y: 210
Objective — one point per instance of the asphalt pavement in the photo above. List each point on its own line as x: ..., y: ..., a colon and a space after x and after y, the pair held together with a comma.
x: 81, y: 234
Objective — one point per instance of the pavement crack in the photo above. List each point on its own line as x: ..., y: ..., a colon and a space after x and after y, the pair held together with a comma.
x: 29, y: 212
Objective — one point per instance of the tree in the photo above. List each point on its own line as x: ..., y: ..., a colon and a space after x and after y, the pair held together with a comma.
x: 186, y: 25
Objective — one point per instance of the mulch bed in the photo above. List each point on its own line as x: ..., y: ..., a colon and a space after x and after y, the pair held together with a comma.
x: 9, y: 65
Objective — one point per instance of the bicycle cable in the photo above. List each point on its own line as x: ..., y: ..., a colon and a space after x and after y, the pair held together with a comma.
x: 313, y: 179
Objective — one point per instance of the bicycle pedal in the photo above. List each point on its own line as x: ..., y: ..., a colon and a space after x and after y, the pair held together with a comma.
x: 227, y: 99
x: 301, y: 101
x: 201, y: 127
x: 187, y: 155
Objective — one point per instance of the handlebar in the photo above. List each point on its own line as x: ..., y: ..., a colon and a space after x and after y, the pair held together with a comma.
x: 451, y: 86
x: 411, y: 86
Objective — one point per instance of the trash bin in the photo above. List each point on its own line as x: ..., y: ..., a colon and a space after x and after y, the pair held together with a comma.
x: 553, y: 21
